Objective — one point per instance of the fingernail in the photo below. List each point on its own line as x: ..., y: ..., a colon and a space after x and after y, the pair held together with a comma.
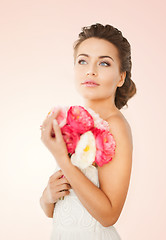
x: 55, y: 122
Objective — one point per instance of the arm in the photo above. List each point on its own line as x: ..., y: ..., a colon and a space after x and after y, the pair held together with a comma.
x: 48, y: 208
x: 105, y: 203
x: 115, y: 177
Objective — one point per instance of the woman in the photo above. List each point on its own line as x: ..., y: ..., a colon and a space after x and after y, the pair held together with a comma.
x: 102, y: 66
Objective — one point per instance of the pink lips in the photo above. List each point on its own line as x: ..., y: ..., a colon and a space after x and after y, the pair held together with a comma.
x: 90, y: 83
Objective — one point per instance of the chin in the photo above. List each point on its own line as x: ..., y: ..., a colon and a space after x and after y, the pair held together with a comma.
x: 90, y: 97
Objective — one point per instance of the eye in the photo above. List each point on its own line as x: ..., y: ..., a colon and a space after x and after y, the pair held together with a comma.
x: 81, y: 60
x: 106, y: 63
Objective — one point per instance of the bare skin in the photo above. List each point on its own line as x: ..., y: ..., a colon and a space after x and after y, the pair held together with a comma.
x: 56, y: 188
x: 114, y: 176
x: 104, y: 71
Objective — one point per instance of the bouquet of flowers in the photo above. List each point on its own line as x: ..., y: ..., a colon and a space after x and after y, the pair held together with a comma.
x: 87, y: 136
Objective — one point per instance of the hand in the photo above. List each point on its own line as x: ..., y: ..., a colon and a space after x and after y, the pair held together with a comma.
x: 57, y: 187
x: 54, y: 142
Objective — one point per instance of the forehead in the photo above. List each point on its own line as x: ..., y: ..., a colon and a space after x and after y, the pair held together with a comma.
x: 98, y: 47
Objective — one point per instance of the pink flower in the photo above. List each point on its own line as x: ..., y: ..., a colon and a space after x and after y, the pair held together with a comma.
x: 79, y: 119
x: 105, y: 146
x: 61, y: 118
x: 76, y: 122
x: 70, y: 137
x: 98, y: 122
x: 62, y: 115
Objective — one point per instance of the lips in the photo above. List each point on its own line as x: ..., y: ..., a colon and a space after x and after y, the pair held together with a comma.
x: 90, y: 82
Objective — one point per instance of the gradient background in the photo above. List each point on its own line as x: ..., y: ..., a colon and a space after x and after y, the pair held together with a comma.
x: 36, y: 73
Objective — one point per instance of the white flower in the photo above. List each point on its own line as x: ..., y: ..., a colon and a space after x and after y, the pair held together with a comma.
x: 85, y: 151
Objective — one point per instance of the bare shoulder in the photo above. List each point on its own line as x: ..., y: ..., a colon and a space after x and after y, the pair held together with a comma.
x: 120, y: 128
x: 114, y: 177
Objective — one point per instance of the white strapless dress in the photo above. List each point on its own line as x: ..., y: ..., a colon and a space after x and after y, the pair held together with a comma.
x: 71, y: 220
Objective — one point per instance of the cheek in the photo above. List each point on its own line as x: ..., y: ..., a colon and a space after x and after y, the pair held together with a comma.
x: 107, y: 79
x: 109, y: 83
x: 78, y: 74
x: 77, y: 79
x: 109, y: 86
x: 110, y: 77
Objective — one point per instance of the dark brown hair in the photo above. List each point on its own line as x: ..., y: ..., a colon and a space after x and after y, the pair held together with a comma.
x: 113, y: 35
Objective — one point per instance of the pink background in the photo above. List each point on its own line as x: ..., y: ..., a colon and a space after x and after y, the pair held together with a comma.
x: 36, y: 61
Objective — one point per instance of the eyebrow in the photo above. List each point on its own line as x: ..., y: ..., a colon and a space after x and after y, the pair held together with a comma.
x: 86, y: 55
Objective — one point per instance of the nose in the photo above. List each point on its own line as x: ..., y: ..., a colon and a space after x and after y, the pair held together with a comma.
x: 91, y: 71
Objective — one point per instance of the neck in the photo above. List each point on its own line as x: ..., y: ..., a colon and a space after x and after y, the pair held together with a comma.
x: 105, y: 108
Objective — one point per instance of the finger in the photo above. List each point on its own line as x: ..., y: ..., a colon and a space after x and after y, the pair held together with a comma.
x: 56, y: 175
x: 54, y: 113
x: 49, y: 130
x: 62, y: 181
x: 57, y: 130
x: 45, y: 122
x: 51, y: 115
x: 63, y: 187
x: 53, y: 110
x: 62, y: 194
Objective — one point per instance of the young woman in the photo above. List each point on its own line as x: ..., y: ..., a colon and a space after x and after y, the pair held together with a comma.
x: 102, y: 66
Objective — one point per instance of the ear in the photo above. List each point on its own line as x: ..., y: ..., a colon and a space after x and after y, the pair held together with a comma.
x: 122, y: 79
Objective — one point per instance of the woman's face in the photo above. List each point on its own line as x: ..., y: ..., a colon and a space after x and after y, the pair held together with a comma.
x: 97, y: 60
